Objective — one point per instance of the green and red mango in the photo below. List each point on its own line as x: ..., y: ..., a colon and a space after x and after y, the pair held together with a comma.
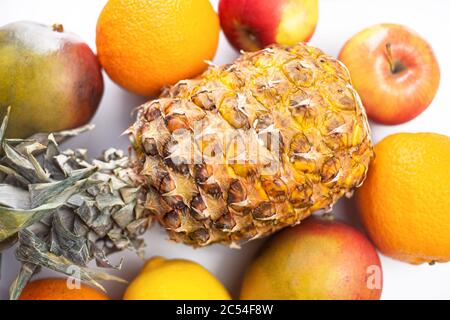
x: 51, y: 79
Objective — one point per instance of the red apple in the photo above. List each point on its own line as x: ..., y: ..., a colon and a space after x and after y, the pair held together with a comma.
x: 394, y: 71
x: 253, y: 24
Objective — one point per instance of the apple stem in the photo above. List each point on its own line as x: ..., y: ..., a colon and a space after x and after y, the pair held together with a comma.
x: 395, y: 66
x: 57, y: 27
x: 389, y: 57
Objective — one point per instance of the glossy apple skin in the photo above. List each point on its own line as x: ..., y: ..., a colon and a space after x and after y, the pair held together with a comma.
x: 320, y: 259
x: 254, y: 24
x: 50, y: 78
x: 392, y: 97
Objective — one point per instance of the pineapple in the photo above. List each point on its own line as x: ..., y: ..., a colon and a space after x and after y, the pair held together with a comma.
x: 249, y: 148
x: 236, y: 154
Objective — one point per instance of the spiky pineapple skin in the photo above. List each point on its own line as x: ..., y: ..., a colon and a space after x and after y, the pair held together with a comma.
x: 296, y: 94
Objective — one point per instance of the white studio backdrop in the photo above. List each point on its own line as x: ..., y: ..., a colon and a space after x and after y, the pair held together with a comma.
x: 338, y: 20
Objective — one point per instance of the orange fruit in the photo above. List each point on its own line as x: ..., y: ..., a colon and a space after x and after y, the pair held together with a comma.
x: 146, y: 44
x: 57, y: 289
x: 405, y: 200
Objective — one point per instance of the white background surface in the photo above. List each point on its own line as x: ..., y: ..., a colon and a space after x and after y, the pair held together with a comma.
x: 338, y: 20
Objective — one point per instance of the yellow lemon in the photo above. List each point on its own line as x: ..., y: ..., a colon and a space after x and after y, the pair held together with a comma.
x: 177, y: 279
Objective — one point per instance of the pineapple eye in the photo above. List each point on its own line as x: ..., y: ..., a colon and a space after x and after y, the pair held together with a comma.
x: 176, y: 122
x: 300, y: 99
x: 330, y: 169
x: 236, y: 192
x: 262, y: 59
x: 301, y: 196
x: 229, y: 111
x: 356, y: 176
x: 334, y: 67
x: 177, y: 165
x: 213, y: 189
x: 182, y: 88
x: 263, y: 121
x: 305, y: 107
x: 340, y: 95
x: 232, y: 78
x: 199, y: 236
x: 299, y: 73
x: 275, y: 188
x: 172, y: 220
x: 332, y: 123
x: 299, y: 145
x: 204, y: 100
x: 166, y: 183
x: 201, y: 173
x: 198, y: 205
x: 264, y: 211
x: 153, y: 112
x: 175, y: 202
x: 334, y: 130
x: 225, y: 223
x: 149, y: 146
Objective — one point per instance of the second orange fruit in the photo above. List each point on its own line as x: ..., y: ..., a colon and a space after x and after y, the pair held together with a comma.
x: 404, y: 202
x: 145, y: 45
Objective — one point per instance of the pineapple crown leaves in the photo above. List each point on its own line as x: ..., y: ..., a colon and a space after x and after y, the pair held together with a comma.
x: 63, y: 211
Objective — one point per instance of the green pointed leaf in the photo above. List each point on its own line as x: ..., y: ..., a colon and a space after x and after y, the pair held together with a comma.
x: 13, y: 197
x: 8, y: 171
x: 23, y: 277
x: 42, y: 192
x: 47, y: 197
x: 19, y: 163
x: 39, y: 171
x: 59, y: 137
x: 50, y: 163
x: 14, y: 220
x: 64, y: 242
x: 34, y: 250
